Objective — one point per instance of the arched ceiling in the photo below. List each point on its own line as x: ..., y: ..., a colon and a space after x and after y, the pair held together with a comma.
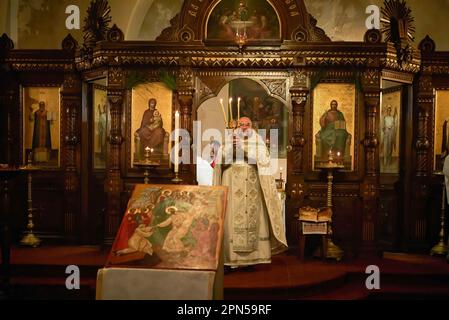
x: 342, y: 20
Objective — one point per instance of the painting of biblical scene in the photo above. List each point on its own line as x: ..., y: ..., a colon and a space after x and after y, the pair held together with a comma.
x: 101, y: 122
x: 248, y: 19
x: 41, y: 126
x: 151, y: 121
x: 171, y: 227
x: 441, y: 148
x: 266, y: 112
x: 390, y: 115
x: 333, y: 124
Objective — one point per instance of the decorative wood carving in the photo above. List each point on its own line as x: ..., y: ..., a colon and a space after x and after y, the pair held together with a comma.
x: 299, y: 94
x: 427, y: 45
x: 6, y: 44
x: 185, y: 104
x: 371, y: 142
x: 370, y: 188
x: 298, y: 141
x: 399, y: 28
x: 96, y: 23
x: 277, y: 87
x: 69, y: 44
x: 114, y: 183
x: 373, y: 36
x: 71, y: 133
x: 425, y: 103
x: 170, y: 34
x: 115, y: 34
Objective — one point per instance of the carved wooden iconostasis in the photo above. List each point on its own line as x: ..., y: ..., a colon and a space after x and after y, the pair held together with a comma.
x: 288, y: 75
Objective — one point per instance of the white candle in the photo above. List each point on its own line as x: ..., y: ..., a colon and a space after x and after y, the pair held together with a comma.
x: 238, y: 109
x: 230, y: 109
x: 177, y: 141
x: 224, y: 113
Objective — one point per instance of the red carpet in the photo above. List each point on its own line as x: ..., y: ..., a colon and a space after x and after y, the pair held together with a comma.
x: 40, y: 272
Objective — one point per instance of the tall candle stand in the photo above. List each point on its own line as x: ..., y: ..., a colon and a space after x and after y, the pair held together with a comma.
x: 333, y: 251
x: 441, y: 248
x: 30, y: 239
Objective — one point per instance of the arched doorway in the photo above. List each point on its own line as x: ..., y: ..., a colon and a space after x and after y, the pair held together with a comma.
x: 268, y: 113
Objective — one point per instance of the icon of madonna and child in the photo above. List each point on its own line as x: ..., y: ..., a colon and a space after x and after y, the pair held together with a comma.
x: 151, y: 133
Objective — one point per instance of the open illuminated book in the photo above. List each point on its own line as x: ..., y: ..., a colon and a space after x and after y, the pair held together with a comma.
x: 309, y: 214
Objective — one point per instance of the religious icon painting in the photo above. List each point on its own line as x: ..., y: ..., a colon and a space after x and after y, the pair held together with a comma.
x: 333, y: 124
x: 441, y: 137
x: 41, y: 126
x: 151, y: 122
x: 390, y: 115
x: 268, y: 113
x: 171, y: 227
x: 249, y: 20
x: 101, y: 126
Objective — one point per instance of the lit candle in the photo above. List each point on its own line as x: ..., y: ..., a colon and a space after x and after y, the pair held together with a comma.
x: 224, y: 112
x: 238, y: 109
x: 230, y: 109
x: 177, y: 141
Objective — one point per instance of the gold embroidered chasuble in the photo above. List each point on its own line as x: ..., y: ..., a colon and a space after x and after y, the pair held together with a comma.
x: 254, y: 227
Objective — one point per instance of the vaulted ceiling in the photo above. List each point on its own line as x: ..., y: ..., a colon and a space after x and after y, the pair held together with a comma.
x: 41, y: 23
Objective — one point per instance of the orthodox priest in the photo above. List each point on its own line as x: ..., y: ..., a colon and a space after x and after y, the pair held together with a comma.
x: 254, y: 228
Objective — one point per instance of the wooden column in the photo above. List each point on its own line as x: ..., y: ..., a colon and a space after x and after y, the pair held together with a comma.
x: 416, y: 219
x: 114, y: 183
x: 71, y: 109
x: 296, y: 153
x: 370, y: 184
x: 71, y: 145
x: 298, y: 141
x: 185, y: 93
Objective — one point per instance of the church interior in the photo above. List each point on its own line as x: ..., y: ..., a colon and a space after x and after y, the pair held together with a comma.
x: 101, y: 99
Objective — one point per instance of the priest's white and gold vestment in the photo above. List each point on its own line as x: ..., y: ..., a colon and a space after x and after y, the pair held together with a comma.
x: 254, y: 227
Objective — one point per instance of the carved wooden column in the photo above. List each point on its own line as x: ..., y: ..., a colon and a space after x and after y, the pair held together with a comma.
x: 297, y: 153
x: 298, y: 141
x: 425, y: 106
x: 114, y: 183
x: 417, y: 218
x: 185, y: 92
x: 71, y: 107
x: 71, y: 132
x: 370, y: 185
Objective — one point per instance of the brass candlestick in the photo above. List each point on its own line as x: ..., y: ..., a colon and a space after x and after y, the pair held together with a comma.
x: 176, y: 179
x: 30, y: 239
x: 147, y: 164
x: 333, y: 251
x: 441, y: 248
